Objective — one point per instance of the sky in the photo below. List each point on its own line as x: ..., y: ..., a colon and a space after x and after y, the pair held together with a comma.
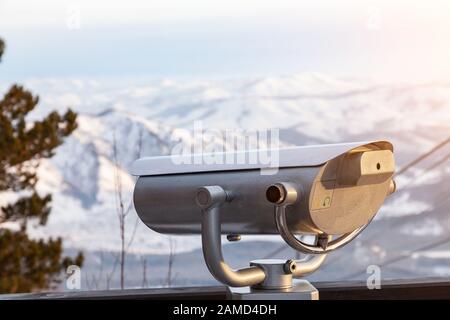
x: 385, y: 40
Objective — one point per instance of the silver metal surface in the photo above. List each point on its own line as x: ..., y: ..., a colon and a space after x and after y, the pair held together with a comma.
x: 166, y: 203
x: 209, y: 200
x: 307, y: 266
x: 331, y: 191
x: 283, y: 228
x: 301, y: 290
x: 262, y: 274
x: 288, y: 195
x: 276, y: 275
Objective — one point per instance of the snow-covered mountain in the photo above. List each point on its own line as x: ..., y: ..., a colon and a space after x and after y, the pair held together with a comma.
x: 149, y: 116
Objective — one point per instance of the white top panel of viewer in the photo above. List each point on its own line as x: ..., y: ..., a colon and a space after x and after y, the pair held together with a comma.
x: 304, y: 156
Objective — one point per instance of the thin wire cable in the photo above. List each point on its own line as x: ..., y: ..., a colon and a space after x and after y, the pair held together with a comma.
x: 407, y: 255
x: 403, y: 256
x: 423, y: 156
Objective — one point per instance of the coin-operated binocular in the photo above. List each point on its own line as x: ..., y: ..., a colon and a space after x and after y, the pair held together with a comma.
x: 329, y: 191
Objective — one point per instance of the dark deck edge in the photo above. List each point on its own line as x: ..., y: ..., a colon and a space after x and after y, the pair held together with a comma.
x: 430, y: 288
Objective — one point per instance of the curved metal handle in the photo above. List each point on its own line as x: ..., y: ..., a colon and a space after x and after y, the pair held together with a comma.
x: 324, y: 244
x: 209, y: 200
x: 300, y: 268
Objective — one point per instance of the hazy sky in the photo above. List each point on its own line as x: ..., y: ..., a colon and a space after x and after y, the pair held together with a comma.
x: 388, y: 40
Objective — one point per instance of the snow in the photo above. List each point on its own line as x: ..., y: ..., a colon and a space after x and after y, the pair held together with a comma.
x: 426, y: 228
x: 434, y: 254
x: 403, y: 205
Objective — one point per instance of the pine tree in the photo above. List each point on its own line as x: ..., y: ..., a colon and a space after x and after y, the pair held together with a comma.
x: 2, y: 48
x: 26, y: 264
